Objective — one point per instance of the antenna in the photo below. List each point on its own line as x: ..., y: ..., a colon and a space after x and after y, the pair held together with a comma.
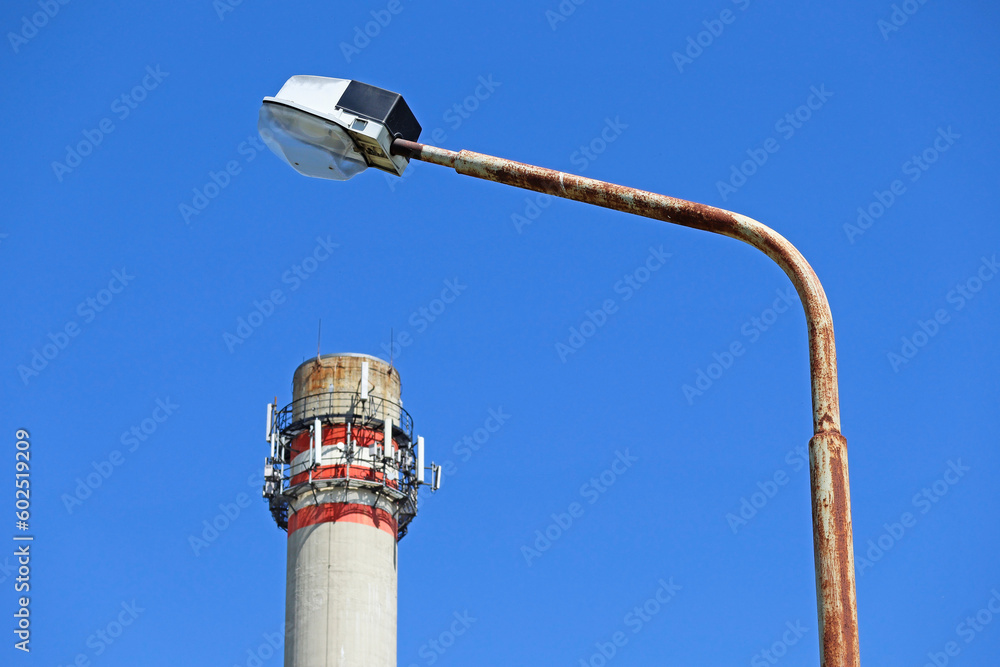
x: 270, y: 419
x: 319, y: 337
x: 387, y: 438
x: 420, y: 459
x: 275, y: 442
x: 349, y: 451
x: 392, y: 345
x: 317, y: 440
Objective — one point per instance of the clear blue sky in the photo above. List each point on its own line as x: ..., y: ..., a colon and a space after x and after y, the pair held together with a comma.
x: 902, y: 125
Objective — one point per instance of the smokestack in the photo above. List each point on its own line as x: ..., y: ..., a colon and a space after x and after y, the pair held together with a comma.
x: 342, y: 479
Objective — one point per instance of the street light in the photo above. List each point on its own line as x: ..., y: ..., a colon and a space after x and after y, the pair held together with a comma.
x: 831, y: 502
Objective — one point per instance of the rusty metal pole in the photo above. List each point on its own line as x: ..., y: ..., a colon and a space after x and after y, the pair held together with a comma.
x: 831, y: 501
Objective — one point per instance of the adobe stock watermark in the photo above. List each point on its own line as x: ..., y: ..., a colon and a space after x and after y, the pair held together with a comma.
x: 87, y: 310
x: 714, y: 28
x: 131, y: 440
x: 581, y: 158
x: 273, y: 641
x: 433, y: 649
x: 750, y: 506
x: 967, y: 631
x: 6, y: 569
x: 963, y: 292
x: 270, y: 647
x: 562, y: 12
x: 779, y: 648
x: 467, y: 446
x: 635, y: 621
x: 364, y: 34
x: 227, y: 515
x: 218, y: 181
x: 591, y: 491
x: 628, y: 286
x: 899, y: 17
x: 212, y: 528
x: 786, y: 126
x: 223, y: 7
x: 32, y: 23
x: 915, y: 167
x: 423, y: 317
x: 924, y: 500
x: 121, y: 107
x: 587, y: 153
x: 294, y: 276
x: 101, y: 640
x: 454, y: 117
x: 752, y: 330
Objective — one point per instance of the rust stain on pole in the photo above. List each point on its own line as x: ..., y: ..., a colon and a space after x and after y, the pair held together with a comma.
x: 831, y: 503
x: 834, y: 551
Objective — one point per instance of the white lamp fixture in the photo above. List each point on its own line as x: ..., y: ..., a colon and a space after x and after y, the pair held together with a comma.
x: 336, y: 128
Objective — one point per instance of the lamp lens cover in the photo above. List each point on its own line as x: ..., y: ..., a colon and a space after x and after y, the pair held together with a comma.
x: 311, y: 145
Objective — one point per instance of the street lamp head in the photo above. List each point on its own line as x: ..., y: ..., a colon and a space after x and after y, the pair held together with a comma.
x: 336, y: 128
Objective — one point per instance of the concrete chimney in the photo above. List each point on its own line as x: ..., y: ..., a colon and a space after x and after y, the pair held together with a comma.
x: 342, y: 479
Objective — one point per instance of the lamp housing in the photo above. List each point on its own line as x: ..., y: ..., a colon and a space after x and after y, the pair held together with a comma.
x: 336, y: 128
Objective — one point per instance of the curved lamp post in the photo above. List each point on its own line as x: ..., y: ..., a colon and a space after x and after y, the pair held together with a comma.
x: 335, y: 128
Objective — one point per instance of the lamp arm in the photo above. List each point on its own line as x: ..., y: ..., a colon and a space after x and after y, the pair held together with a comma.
x: 831, y: 504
